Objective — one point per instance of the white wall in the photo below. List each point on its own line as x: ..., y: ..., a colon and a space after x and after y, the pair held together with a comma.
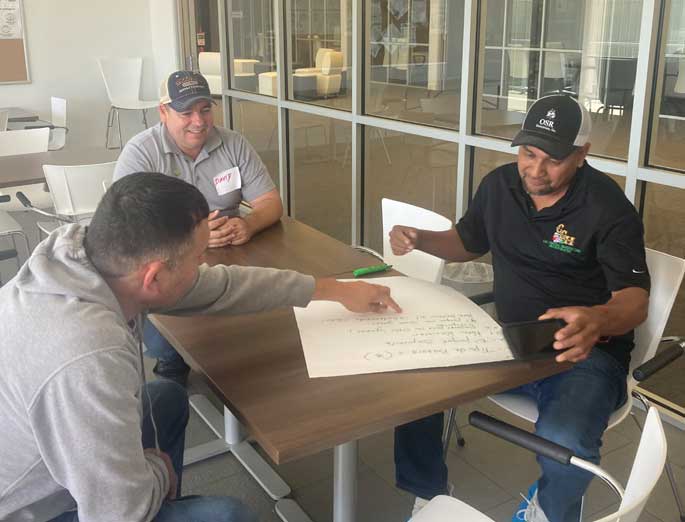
x: 64, y: 39
x: 164, y: 37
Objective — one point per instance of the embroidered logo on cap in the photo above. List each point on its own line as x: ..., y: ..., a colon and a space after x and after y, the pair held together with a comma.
x: 547, y: 123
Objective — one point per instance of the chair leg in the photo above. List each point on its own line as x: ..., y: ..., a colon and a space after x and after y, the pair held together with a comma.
x: 385, y: 147
x: 671, y: 478
x: 121, y: 142
x: 110, y: 122
x: 451, y: 426
x: 674, y: 488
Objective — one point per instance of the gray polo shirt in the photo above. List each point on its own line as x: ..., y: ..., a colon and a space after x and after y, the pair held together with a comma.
x: 213, y: 172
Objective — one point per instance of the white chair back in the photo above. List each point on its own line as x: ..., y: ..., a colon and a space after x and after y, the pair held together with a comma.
x: 122, y: 78
x: 58, y: 118
x: 210, y: 68
x: 210, y: 63
x: 77, y: 190
x: 27, y: 141
x: 415, y: 264
x: 647, y: 468
x: 4, y: 116
x: 666, y: 272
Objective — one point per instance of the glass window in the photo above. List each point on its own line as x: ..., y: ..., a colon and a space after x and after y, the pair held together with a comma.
x: 258, y: 122
x: 417, y: 170
x: 218, y: 111
x: 199, y: 35
x: 663, y: 215
x: 320, y: 52
x: 252, y: 46
x: 669, y: 119
x: 587, y: 49
x: 321, y: 182
x: 413, y: 60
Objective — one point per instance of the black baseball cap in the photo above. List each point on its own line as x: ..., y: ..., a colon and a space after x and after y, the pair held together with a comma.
x: 184, y: 88
x: 555, y: 124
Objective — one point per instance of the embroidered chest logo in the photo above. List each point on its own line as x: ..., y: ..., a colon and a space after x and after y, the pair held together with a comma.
x: 562, y: 240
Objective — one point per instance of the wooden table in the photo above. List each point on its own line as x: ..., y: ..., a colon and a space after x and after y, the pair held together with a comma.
x: 25, y: 169
x: 256, y: 365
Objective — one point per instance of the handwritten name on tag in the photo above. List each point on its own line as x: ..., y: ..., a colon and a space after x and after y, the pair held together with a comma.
x: 227, y: 181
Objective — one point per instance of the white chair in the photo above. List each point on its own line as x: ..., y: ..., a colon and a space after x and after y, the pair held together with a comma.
x: 647, y: 468
x: 268, y: 83
x: 58, y: 118
x: 76, y: 191
x: 416, y: 264
x: 29, y: 141
x: 10, y: 228
x: 666, y: 273
x: 122, y: 81
x: 210, y: 68
x: 4, y: 117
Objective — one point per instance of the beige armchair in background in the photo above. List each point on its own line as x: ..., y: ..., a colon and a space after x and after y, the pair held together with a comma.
x: 325, y: 79
x: 210, y: 68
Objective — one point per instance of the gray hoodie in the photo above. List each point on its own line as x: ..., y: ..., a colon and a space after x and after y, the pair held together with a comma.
x: 70, y: 382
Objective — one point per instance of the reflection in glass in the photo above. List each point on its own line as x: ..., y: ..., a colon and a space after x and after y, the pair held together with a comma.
x: 199, y: 40
x: 253, y: 51
x: 258, y: 122
x: 413, y: 60
x: 320, y: 54
x: 586, y: 49
x: 663, y: 215
x: 321, y: 183
x: 669, y: 119
x: 413, y: 169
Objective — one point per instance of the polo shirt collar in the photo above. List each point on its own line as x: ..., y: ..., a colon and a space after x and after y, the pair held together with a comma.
x: 574, y: 196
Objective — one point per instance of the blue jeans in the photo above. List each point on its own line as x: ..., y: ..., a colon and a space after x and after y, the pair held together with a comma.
x: 169, y: 405
x: 574, y: 409
x: 157, y: 345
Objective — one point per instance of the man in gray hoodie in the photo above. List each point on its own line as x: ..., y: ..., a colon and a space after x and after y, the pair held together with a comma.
x: 83, y: 436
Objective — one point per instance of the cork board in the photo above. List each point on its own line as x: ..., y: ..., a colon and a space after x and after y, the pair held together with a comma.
x: 13, y: 62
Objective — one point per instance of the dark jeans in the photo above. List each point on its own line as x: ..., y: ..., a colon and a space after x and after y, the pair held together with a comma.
x: 574, y: 409
x: 169, y: 405
x: 157, y: 345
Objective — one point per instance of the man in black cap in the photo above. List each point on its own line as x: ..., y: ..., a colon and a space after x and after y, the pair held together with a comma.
x: 566, y: 243
x: 219, y: 162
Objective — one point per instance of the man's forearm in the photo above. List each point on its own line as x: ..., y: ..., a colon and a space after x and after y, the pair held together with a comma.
x: 626, y: 310
x: 445, y: 244
x: 264, y: 215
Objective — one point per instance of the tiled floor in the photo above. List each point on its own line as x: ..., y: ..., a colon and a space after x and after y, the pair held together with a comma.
x: 487, y: 473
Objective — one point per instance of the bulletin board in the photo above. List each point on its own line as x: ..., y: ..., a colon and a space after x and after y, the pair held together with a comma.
x: 14, y: 67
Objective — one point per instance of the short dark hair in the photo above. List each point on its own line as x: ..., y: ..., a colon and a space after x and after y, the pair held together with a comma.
x: 141, y: 217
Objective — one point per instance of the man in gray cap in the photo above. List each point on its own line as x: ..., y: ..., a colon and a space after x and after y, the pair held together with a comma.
x: 219, y: 162
x: 567, y: 244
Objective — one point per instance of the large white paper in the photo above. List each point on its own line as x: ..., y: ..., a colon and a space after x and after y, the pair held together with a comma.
x: 438, y: 327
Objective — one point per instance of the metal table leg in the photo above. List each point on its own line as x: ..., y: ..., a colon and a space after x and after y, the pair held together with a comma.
x: 231, y: 437
x: 345, y: 482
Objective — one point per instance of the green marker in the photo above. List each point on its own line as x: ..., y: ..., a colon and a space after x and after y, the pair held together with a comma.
x: 371, y: 270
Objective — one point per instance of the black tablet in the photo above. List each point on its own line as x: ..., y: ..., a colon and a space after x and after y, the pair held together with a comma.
x: 532, y: 339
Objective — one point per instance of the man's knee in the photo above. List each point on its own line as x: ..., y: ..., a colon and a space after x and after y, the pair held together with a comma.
x: 580, y: 433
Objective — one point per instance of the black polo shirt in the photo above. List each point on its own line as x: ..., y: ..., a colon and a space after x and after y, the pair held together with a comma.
x: 574, y: 253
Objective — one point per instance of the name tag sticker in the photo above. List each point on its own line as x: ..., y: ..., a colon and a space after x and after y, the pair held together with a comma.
x: 227, y: 181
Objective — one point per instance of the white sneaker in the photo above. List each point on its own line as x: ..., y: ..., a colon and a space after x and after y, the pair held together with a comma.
x: 420, y: 503
x: 533, y: 512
